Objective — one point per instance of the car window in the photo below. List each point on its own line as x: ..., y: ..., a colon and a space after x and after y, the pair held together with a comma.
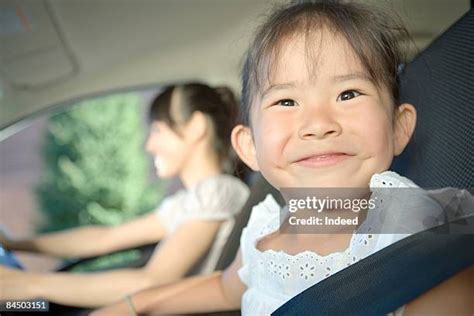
x: 84, y: 164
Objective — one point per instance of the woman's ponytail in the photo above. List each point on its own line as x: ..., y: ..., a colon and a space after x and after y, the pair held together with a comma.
x: 229, y: 100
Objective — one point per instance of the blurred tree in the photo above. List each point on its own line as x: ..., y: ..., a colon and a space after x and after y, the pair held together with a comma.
x: 95, y: 171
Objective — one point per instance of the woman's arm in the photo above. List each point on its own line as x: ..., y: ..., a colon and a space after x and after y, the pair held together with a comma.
x: 452, y: 297
x: 220, y: 291
x: 171, y: 260
x: 92, y: 240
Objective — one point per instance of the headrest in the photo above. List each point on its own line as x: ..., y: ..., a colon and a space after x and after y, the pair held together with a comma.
x: 439, y: 82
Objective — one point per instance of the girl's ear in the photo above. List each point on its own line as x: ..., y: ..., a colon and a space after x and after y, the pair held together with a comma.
x: 243, y: 144
x: 404, y: 125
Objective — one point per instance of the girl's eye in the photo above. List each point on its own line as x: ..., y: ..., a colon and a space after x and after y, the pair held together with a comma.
x: 286, y: 102
x: 347, y: 95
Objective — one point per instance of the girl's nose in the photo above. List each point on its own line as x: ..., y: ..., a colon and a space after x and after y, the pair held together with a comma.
x: 318, y: 122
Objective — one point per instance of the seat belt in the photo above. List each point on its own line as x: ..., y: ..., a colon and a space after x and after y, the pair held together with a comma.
x: 390, y: 278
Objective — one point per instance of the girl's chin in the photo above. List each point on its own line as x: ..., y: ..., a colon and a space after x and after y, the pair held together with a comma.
x: 320, y: 182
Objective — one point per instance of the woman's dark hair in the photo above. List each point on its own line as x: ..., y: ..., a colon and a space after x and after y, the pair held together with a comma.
x: 373, y: 35
x: 176, y: 104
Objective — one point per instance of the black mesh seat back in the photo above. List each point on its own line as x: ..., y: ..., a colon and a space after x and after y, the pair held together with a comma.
x: 440, y: 84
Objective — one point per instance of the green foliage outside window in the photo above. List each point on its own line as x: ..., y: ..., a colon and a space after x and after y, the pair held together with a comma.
x: 95, y: 169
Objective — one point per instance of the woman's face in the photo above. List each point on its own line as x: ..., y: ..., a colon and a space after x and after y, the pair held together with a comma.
x: 168, y: 149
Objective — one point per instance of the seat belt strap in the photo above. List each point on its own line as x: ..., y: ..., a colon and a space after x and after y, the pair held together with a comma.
x: 390, y: 278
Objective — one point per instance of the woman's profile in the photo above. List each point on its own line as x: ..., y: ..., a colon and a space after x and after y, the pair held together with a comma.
x: 190, y: 127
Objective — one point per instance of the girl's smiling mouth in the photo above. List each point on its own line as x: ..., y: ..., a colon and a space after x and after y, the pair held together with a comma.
x: 323, y: 159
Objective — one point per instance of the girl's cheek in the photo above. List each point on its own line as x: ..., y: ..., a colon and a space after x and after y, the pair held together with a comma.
x: 380, y: 137
x: 268, y: 145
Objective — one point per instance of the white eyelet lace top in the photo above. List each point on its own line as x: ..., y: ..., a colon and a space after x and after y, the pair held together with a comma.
x: 274, y: 277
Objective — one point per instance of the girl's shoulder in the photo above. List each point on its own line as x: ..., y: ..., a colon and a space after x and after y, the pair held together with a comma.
x: 265, y: 212
x: 264, y: 220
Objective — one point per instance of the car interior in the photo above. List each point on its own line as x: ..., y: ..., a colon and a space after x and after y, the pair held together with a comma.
x: 48, y: 61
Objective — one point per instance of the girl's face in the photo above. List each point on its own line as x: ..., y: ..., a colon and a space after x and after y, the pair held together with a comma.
x: 168, y: 149
x: 330, y: 126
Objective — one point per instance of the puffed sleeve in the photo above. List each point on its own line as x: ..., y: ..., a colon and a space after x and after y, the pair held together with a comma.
x: 264, y: 219
x: 217, y: 198
x: 168, y: 213
x: 243, y: 272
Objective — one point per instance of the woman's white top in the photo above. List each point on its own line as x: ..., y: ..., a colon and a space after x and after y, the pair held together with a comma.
x: 217, y: 198
x: 274, y: 277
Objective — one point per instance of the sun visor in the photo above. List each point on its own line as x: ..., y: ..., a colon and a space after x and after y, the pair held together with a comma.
x: 33, y: 53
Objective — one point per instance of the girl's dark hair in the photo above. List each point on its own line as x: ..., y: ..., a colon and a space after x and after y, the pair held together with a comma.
x: 373, y: 35
x: 176, y: 104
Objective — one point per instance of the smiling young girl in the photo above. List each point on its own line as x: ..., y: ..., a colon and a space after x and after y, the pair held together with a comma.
x: 320, y: 92
x: 190, y: 126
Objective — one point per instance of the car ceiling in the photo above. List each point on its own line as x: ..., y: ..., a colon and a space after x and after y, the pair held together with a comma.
x: 54, y: 52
